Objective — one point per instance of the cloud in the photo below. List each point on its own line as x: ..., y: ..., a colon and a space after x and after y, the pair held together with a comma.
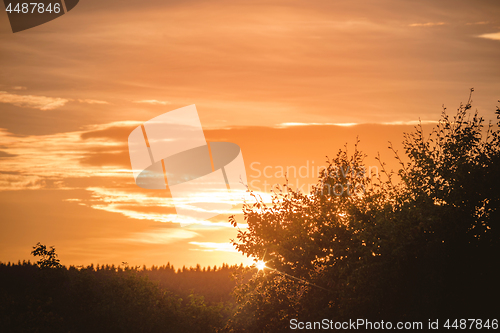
x: 161, y: 236
x: 4, y: 154
x: 411, y: 122
x: 158, y: 206
x: 19, y: 88
x: 30, y: 101
x: 477, y: 23
x: 58, y: 156
x: 153, y: 102
x: 92, y: 101
x: 282, y: 125
x: 117, y: 131
x: 110, y: 156
x: 428, y: 24
x: 94, y: 160
x: 492, y: 36
x: 211, y: 247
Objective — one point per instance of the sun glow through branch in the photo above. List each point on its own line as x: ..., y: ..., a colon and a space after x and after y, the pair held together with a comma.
x: 260, y: 265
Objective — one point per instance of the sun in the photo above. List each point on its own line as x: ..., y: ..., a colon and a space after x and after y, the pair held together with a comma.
x: 260, y: 265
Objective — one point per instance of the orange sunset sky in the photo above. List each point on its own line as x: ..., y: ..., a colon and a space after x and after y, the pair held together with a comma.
x: 289, y: 81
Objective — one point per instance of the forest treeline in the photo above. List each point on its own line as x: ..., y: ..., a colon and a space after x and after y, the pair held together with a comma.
x: 213, y: 283
x: 108, y: 298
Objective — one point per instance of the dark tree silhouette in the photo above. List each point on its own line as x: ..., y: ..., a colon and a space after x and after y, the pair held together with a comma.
x: 48, y: 258
x: 417, y: 245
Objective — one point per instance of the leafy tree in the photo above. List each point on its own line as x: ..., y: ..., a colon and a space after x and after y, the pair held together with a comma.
x: 417, y: 248
x: 48, y: 258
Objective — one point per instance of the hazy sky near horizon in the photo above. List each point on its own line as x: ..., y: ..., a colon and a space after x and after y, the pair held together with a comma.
x: 279, y: 78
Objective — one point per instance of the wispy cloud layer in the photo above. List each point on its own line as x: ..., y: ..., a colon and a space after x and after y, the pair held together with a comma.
x: 211, y: 247
x: 411, y: 122
x: 43, y: 103
x: 282, y: 125
x: 62, y: 161
x: 478, y: 23
x: 92, y: 101
x: 492, y: 36
x: 428, y: 24
x: 161, y: 236
x: 153, y: 102
x: 54, y: 157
